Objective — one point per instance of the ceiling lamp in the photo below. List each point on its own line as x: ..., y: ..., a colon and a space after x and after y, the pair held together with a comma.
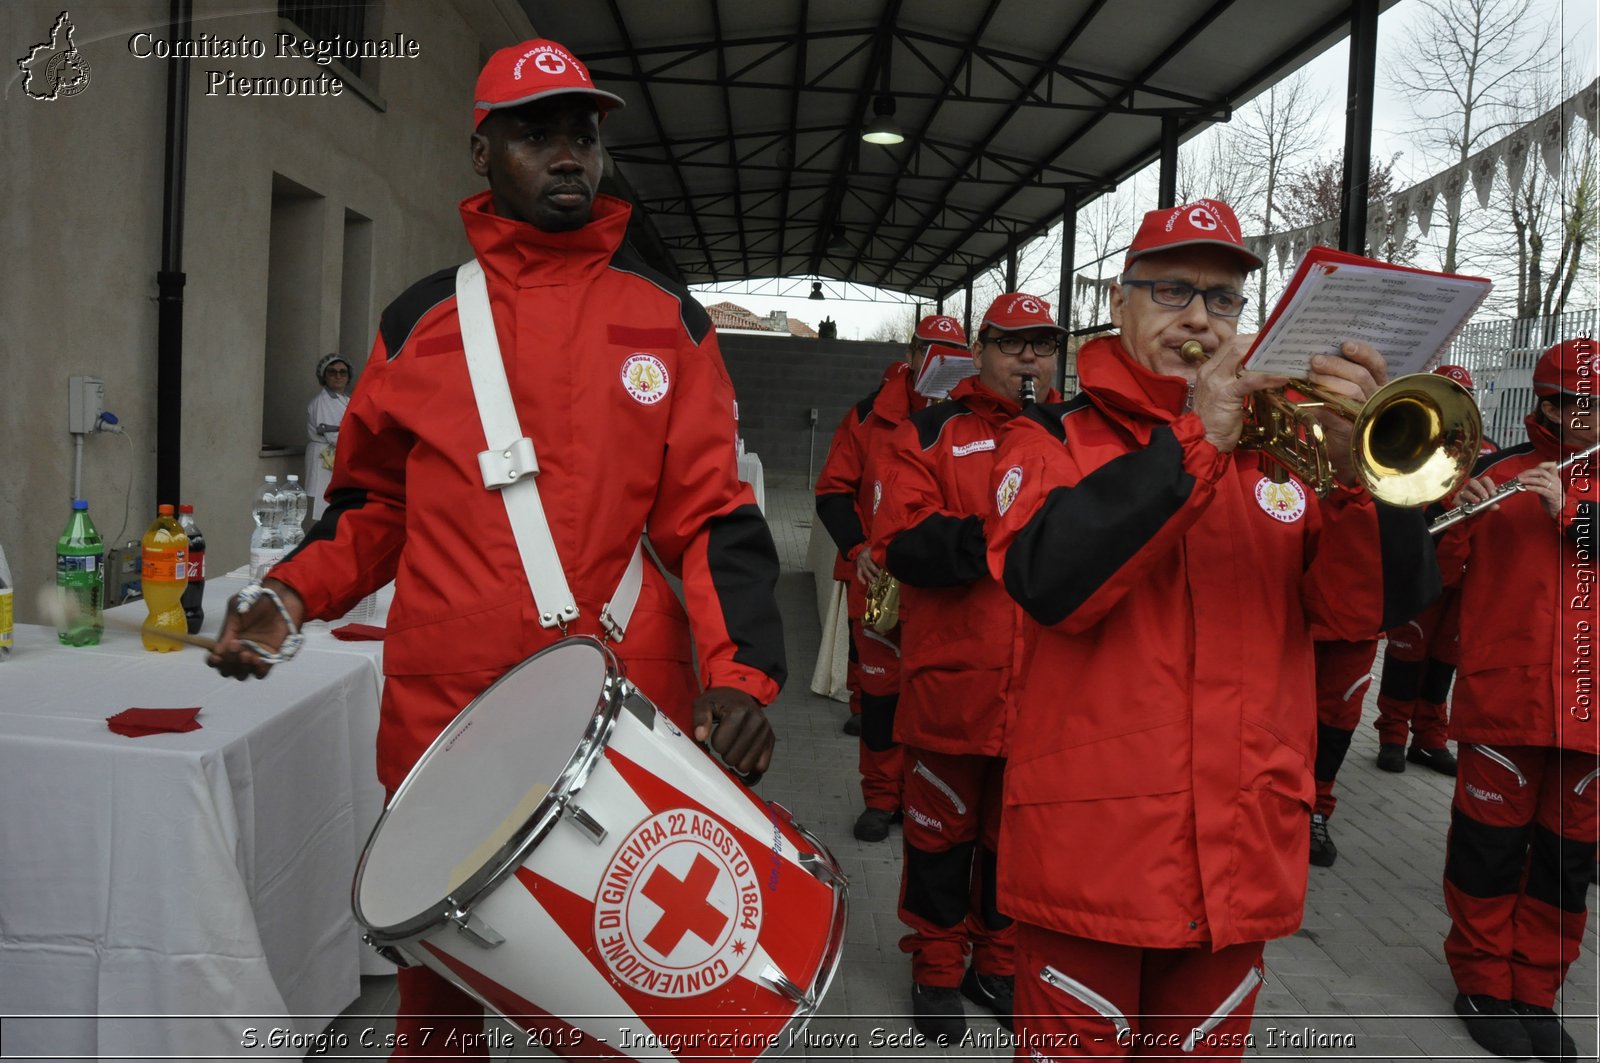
x: 816, y: 291
x: 836, y: 239
x: 883, y: 129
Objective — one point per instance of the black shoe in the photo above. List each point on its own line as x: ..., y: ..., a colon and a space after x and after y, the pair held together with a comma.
x: 1392, y: 757
x: 852, y: 725
x: 993, y: 991
x: 1489, y: 1021
x: 1549, y: 1038
x: 1323, y: 851
x: 937, y: 1012
x: 1440, y: 760
x: 873, y: 824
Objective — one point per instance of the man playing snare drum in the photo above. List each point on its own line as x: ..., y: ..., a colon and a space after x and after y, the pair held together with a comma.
x: 615, y: 377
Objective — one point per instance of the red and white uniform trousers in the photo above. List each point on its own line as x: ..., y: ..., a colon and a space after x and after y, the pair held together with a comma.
x: 1419, y: 663
x: 1521, y: 850
x: 1344, y: 673
x: 948, y: 898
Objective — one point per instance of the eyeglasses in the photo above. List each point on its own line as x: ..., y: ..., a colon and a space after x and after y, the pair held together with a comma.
x: 1011, y: 343
x: 337, y: 372
x: 1223, y: 302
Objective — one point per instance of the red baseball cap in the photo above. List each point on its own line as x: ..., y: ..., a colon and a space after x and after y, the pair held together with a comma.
x: 1203, y: 223
x: 1564, y: 367
x: 1458, y: 373
x: 941, y: 328
x: 1015, y: 311
x: 531, y: 71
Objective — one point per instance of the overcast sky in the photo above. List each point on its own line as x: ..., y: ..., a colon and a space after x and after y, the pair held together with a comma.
x: 1577, y: 28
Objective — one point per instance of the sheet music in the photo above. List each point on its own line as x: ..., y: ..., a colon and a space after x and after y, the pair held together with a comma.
x: 1408, y: 316
x: 943, y: 369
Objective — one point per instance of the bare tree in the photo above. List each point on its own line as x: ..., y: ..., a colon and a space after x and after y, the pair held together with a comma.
x: 898, y: 328
x: 1275, y: 132
x: 1462, y: 68
x: 1219, y: 164
x: 1551, y: 220
x: 1105, y: 228
x: 1316, y: 193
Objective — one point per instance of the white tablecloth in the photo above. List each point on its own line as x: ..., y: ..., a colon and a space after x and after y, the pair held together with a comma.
x: 162, y: 894
x: 751, y: 472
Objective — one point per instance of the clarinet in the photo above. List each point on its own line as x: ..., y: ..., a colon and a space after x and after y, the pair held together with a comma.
x: 1029, y: 387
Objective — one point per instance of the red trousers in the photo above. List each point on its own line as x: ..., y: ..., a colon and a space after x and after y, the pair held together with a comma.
x: 880, y: 757
x: 947, y: 881
x: 1078, y: 999
x: 1523, y: 832
x: 1418, y: 664
x: 1344, y: 671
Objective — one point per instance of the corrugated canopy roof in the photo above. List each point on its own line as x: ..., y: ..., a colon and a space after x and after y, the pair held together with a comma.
x: 741, y: 138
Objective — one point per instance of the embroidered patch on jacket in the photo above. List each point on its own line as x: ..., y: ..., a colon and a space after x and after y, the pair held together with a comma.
x: 877, y: 495
x: 645, y: 378
x: 1010, y: 484
x: 1285, y: 501
x: 972, y: 448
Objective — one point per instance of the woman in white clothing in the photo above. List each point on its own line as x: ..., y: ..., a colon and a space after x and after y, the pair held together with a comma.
x: 323, y: 414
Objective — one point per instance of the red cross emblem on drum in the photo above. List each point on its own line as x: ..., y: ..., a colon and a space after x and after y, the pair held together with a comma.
x: 679, y: 906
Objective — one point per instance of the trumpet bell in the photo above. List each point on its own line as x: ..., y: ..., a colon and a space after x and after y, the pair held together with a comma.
x: 1416, y: 440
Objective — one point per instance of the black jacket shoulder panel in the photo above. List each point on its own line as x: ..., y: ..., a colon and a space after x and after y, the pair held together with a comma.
x: 864, y: 407
x: 1050, y: 415
x: 1489, y: 461
x: 930, y: 420
x: 412, y: 305
x: 696, y: 322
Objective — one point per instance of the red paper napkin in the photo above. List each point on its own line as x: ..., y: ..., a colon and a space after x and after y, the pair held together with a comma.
x: 136, y: 723
x: 358, y: 633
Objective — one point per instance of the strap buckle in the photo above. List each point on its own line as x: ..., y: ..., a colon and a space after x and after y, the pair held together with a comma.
x: 503, y: 466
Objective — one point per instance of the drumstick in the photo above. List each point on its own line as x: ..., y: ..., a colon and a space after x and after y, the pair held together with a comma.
x: 60, y: 610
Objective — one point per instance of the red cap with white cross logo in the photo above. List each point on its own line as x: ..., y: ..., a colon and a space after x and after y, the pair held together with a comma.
x: 1203, y: 223
x: 531, y: 71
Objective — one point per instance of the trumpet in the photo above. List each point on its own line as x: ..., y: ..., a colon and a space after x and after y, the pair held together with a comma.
x: 1412, y: 443
x: 1510, y: 487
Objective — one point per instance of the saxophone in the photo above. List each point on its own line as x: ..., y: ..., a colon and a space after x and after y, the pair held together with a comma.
x: 882, y: 611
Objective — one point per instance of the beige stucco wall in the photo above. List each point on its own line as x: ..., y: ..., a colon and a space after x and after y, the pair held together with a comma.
x: 80, y: 244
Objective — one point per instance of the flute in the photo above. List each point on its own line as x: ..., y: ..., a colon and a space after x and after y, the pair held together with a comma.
x: 1510, y: 487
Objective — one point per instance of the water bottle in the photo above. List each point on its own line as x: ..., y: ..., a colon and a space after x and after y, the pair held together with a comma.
x: 163, y: 575
x: 7, y: 626
x: 266, y: 542
x: 294, y: 513
x: 195, y: 590
x: 80, y: 580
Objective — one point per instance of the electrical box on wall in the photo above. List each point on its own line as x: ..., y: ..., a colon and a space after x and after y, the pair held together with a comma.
x: 86, y: 401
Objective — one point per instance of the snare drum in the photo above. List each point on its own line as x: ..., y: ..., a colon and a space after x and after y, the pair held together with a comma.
x: 569, y: 857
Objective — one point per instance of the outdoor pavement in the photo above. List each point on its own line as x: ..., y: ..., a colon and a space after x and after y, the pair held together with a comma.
x: 1364, y: 978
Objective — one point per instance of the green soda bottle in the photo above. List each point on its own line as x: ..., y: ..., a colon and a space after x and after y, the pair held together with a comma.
x: 80, y: 579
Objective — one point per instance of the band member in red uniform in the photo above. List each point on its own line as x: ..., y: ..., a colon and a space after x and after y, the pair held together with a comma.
x: 605, y: 360
x: 1419, y: 662
x: 1524, y: 821
x: 848, y: 490
x: 1344, y: 672
x: 1158, y: 789
x: 961, y: 637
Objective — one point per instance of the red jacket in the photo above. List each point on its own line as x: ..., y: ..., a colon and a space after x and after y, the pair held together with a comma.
x: 1528, y: 610
x: 573, y: 312
x: 1159, y: 782
x: 961, y: 634
x: 848, y: 486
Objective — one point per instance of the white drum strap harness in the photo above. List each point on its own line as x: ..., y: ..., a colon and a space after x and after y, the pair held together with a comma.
x: 511, y: 467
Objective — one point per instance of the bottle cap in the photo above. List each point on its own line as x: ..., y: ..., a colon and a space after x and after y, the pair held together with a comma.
x: 186, y: 508
x: 271, y: 479
x: 293, y: 478
x: 80, y: 503
x: 165, y: 509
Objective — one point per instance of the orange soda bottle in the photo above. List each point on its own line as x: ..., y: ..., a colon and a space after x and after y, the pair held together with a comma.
x: 163, y: 576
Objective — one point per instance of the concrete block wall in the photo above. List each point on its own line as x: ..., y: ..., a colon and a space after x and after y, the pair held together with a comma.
x: 779, y: 379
